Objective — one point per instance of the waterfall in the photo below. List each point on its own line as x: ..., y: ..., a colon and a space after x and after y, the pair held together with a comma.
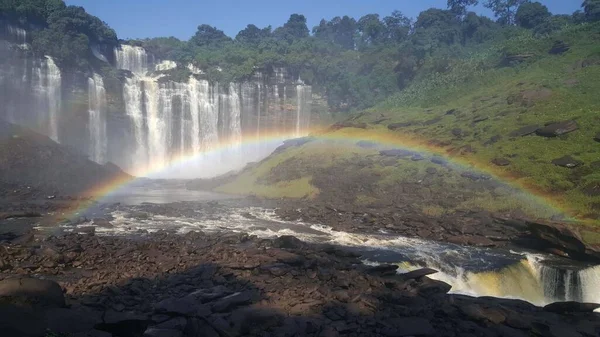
x: 19, y: 34
x: 97, y: 119
x: 134, y: 59
x: 133, y: 97
x: 303, y: 108
x: 46, y: 84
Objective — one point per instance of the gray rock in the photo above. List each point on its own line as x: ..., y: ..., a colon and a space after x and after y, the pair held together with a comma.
x: 154, y: 332
x: 557, y: 129
x: 411, y: 326
x: 500, y: 161
x: 567, y: 161
x: 186, y: 306
x: 33, y: 291
x: 524, y: 131
x: 418, y: 273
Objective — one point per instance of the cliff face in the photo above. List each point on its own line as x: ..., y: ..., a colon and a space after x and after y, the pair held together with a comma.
x: 130, y: 112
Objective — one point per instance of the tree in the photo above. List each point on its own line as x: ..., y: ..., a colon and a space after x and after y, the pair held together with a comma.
x: 459, y: 7
x: 207, y: 35
x: 371, y: 29
x: 253, y: 35
x: 505, y: 10
x: 591, y: 8
x: 294, y: 29
x: 532, y: 14
x: 398, y: 26
x: 340, y: 31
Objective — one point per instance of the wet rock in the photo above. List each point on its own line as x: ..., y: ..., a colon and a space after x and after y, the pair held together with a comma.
x: 525, y: 131
x: 398, y: 153
x: 396, y: 126
x: 89, y: 230
x: 567, y: 161
x: 558, y: 236
x: 500, y: 161
x: 559, y: 47
x: 33, y: 291
x: 232, y: 301
x: 566, y: 307
x: 418, y: 273
x: 557, y: 129
x: 382, y: 270
x: 288, y: 242
x: 428, y: 287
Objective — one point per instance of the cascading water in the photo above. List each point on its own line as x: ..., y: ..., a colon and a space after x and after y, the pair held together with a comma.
x: 97, y: 119
x: 134, y: 59
x: 19, y: 34
x: 46, y: 84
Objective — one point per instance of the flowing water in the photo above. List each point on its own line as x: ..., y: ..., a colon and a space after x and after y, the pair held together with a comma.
x: 537, y: 278
x: 97, y: 119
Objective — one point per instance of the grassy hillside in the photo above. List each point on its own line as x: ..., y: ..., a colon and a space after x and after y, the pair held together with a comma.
x: 471, y: 113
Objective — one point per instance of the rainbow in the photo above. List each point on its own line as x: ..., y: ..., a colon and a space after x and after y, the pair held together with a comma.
x: 381, y: 137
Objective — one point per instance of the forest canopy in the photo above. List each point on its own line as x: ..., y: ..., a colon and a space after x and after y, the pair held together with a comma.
x: 353, y: 62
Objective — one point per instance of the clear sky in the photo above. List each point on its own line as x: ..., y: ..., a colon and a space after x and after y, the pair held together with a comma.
x: 180, y: 18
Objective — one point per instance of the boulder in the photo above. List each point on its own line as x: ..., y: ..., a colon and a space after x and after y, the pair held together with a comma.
x: 500, y: 161
x: 557, y: 129
x: 571, y: 306
x: 382, y: 270
x: 26, y: 290
x: 558, y: 236
x: 428, y: 287
x: 288, y: 242
x: 567, y: 161
x: 525, y: 131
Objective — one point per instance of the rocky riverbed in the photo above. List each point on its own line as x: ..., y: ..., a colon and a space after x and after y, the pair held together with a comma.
x: 199, y: 284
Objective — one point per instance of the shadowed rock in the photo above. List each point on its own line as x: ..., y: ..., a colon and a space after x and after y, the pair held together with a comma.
x: 557, y: 129
x: 597, y: 137
x: 33, y: 291
x: 571, y: 306
x: 417, y: 274
x: 567, y: 161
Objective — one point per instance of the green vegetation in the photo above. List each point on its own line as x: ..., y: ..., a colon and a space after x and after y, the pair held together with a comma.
x: 67, y: 33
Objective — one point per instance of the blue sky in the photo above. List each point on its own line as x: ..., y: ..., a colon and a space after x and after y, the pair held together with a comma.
x: 180, y: 18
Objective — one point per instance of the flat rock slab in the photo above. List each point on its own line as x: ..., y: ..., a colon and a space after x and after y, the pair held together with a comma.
x: 567, y: 161
x: 418, y: 273
x: 563, y: 307
x: 525, y: 131
x: 557, y: 129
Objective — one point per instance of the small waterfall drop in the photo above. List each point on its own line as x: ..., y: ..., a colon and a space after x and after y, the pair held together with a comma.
x: 97, y: 119
x: 134, y: 59
x: 19, y: 34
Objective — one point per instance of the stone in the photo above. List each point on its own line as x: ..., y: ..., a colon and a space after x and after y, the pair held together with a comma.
x: 480, y: 119
x: 428, y: 287
x: 232, y: 301
x: 439, y: 161
x: 571, y: 306
x: 567, y: 161
x: 418, y: 273
x: 88, y: 230
x: 477, y: 313
x: 525, y: 131
x: 432, y: 121
x: 500, y: 161
x: 288, y: 242
x: 123, y: 323
x: 246, y: 319
x: 417, y: 157
x: 597, y: 137
x: 396, y: 126
x: 210, y: 294
x: 431, y: 170
x: 451, y: 112
x: 177, y: 323
x: 33, y: 291
x: 557, y: 129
